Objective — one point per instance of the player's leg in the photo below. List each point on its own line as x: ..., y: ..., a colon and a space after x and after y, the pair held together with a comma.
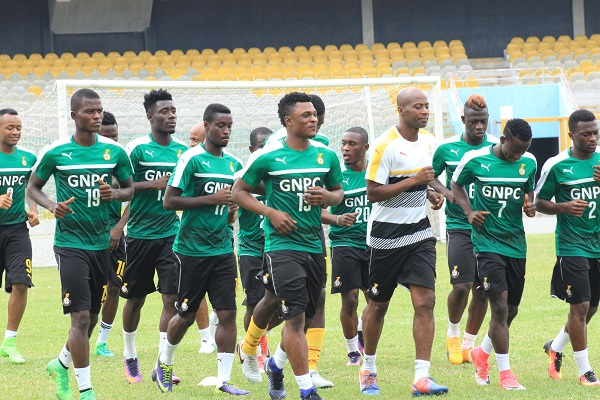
x: 17, y: 264
x: 111, y: 303
x: 207, y: 342
x: 193, y: 277
x: 476, y: 314
x: 221, y: 290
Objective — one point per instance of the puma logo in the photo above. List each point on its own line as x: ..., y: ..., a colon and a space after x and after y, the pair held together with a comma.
x: 570, y: 170
x: 207, y: 163
x: 486, y: 167
x: 455, y: 151
x: 150, y: 152
x: 68, y: 155
x: 280, y: 160
x: 346, y: 181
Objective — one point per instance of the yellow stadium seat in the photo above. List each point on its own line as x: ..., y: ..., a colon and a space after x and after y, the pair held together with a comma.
x: 259, y: 57
x: 305, y: 58
x: 455, y: 42
x: 513, y: 47
x: 315, y: 48
x: 229, y: 58
x: 267, y: 51
x: 412, y: 53
x: 176, y: 53
x: 402, y: 71
x: 285, y: 49
x: 67, y: 56
x: 377, y: 46
x: 28, y: 64
x: 564, y: 38
x: 590, y: 44
x: 59, y: 63
x: 260, y: 76
x: 160, y: 53
x: 586, y: 64
x: 346, y: 47
x: 35, y: 90
x: 19, y: 57
x: 425, y: 51
x: 39, y: 71
x: 439, y: 43
x: 238, y: 50
x: 579, y: 51
x: 191, y: 52
x: 549, y: 39
x: 334, y: 55
x: 320, y: 57
x: 82, y: 55
x: 517, y: 39
x: 418, y: 70
x: 339, y: 75
x: 393, y: 45
x: 49, y: 56
x: 370, y: 72
x: 396, y: 52
x: 423, y: 44
x: 113, y: 54
x: 300, y: 49
x: 532, y: 39
x: 278, y: 75
x: 75, y: 63
x: 323, y: 75
x: 318, y: 67
x: 208, y: 52
x: 35, y: 57
x: 329, y: 48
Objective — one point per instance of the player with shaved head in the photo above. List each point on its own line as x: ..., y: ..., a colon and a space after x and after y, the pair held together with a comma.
x: 400, y: 237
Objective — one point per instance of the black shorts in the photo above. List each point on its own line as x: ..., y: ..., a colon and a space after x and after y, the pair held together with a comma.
x: 215, y: 275
x: 408, y: 265
x: 461, y: 261
x: 143, y: 258
x: 118, y: 261
x: 498, y: 273
x: 15, y: 247
x: 251, y: 272
x: 83, y: 277
x: 296, y: 278
x: 576, y: 280
x: 349, y: 269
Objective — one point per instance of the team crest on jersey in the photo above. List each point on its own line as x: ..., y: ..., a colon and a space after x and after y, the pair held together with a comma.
x: 522, y: 170
x: 231, y: 166
x: 66, y: 300
x: 455, y: 272
x: 178, y: 153
x: 486, y: 284
x: 568, y: 291
x: 320, y: 159
x: 184, y: 305
x: 106, y: 155
x: 124, y: 288
x: 24, y: 161
x: 337, y: 282
x: 265, y: 278
x: 284, y: 308
x: 374, y: 289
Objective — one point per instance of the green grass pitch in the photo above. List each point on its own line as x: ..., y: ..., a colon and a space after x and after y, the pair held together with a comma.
x: 44, y: 330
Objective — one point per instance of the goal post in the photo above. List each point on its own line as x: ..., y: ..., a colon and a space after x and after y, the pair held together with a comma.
x: 367, y: 102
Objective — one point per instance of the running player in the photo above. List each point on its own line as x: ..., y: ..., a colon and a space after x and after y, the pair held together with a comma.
x: 16, y: 163
x: 81, y: 164
x: 347, y: 233
x: 250, y: 251
x: 201, y: 187
x: 459, y: 247
x: 150, y: 228
x: 207, y: 341
x: 316, y: 331
x: 400, y: 237
x: 110, y: 130
x: 300, y: 176
x: 569, y: 179
x: 503, y: 175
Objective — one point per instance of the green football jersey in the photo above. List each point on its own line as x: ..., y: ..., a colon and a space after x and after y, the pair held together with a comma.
x: 355, y: 200
x: 287, y: 174
x: 446, y: 157
x: 148, y: 219
x: 76, y: 170
x: 15, y: 170
x: 250, y: 235
x: 500, y: 188
x: 282, y: 133
x: 567, y: 178
x: 204, y: 231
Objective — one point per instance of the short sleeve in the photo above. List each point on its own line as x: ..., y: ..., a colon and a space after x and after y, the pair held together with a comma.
x: 255, y: 171
x: 123, y: 169
x: 334, y: 176
x: 379, y: 166
x: 463, y: 174
x: 438, y: 162
x: 44, y: 168
x: 181, y: 176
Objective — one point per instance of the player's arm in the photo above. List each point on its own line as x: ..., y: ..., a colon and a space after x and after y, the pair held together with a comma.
x: 123, y: 193
x: 380, y: 192
x: 318, y: 196
x: 174, y: 200
x: 34, y: 191
x: 32, y: 215
x: 476, y: 218
x: 347, y: 219
x: 573, y: 208
x: 242, y: 195
x: 157, y: 184
x: 232, y: 213
x: 439, y: 187
x: 529, y: 206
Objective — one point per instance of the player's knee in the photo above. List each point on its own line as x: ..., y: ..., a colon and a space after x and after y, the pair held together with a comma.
x: 580, y: 310
x: 19, y: 289
x: 350, y: 302
x: 135, y: 303
x: 80, y: 320
x: 112, y: 291
x: 226, y: 317
x: 378, y: 310
x: 461, y: 289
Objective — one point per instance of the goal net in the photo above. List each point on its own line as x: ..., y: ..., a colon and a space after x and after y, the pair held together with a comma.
x: 368, y: 103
